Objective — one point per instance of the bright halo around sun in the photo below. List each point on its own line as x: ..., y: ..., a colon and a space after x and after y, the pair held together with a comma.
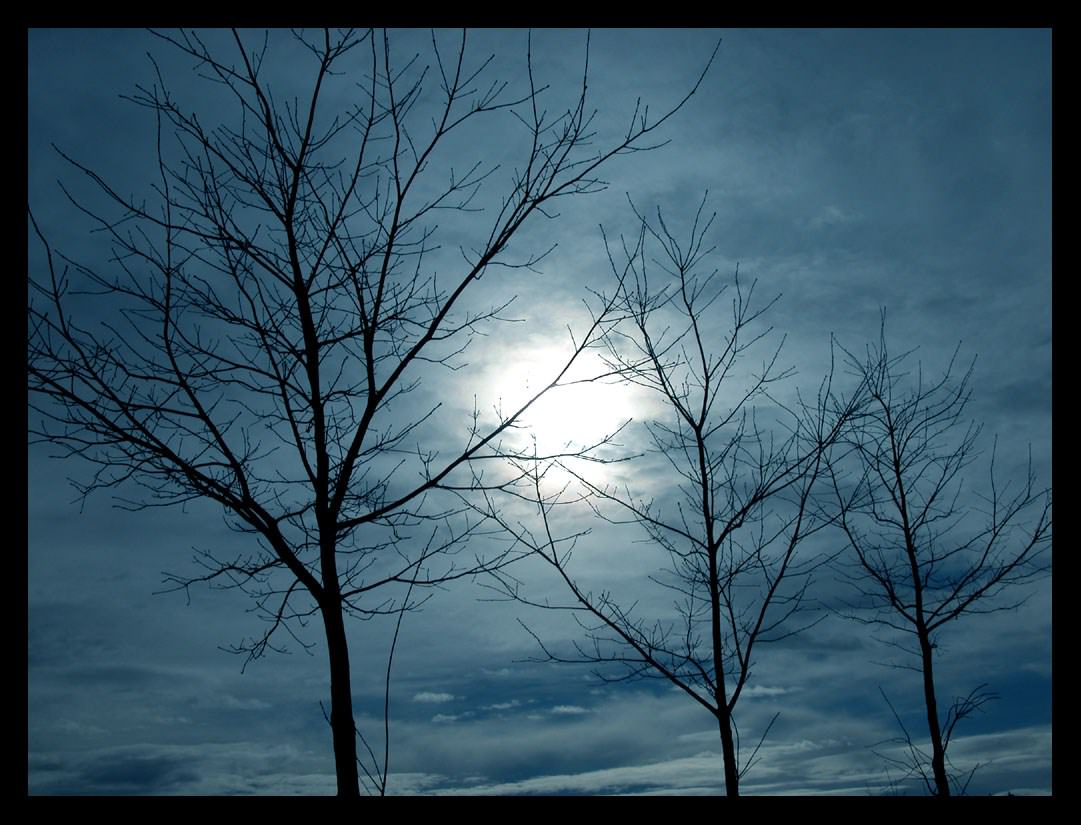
x: 580, y: 412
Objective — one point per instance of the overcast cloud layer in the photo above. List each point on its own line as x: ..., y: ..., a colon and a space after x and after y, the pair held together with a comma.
x: 850, y: 171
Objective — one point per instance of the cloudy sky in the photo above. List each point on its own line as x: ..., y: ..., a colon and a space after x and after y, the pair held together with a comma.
x: 849, y: 171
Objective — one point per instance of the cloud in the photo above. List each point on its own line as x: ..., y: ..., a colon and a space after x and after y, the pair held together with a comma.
x: 694, y: 775
x: 568, y: 710
x: 827, y: 766
x: 243, y: 767
x: 763, y: 690
x: 441, y: 718
x: 514, y: 703
x: 227, y: 701
x: 831, y: 216
x: 432, y: 697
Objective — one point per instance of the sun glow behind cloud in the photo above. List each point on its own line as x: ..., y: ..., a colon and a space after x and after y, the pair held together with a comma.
x: 583, y: 409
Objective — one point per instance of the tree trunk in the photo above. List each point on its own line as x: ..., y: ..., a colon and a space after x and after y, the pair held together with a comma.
x: 728, y: 750
x: 724, y: 712
x: 938, y: 752
x: 341, y: 701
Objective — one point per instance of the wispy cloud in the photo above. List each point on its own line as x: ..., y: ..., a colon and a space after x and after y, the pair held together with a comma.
x: 513, y: 703
x: 432, y: 697
x: 446, y: 718
x: 228, y: 701
x: 764, y: 690
x: 694, y: 775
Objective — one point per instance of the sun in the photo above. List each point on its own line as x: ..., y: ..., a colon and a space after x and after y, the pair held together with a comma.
x: 581, y: 411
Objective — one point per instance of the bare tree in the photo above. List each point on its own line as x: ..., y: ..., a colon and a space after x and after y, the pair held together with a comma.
x: 744, y: 468
x: 264, y: 316
x: 926, y: 548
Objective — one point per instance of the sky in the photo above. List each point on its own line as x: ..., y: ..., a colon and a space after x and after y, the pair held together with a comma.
x: 850, y: 171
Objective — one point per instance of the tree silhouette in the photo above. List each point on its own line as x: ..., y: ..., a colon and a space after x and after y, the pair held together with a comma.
x: 744, y: 469
x: 263, y: 330
x: 927, y: 548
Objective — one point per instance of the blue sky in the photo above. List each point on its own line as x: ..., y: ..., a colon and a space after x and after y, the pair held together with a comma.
x: 850, y: 170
